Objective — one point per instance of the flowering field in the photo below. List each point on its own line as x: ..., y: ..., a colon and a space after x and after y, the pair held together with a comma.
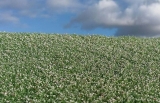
x: 43, y: 68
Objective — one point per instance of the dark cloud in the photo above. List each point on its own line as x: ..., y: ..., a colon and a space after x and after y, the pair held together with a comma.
x: 138, y: 18
x: 142, y: 31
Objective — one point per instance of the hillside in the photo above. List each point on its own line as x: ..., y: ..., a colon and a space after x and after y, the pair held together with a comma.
x: 43, y: 68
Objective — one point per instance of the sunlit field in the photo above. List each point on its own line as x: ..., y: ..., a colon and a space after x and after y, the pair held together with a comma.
x: 45, y: 68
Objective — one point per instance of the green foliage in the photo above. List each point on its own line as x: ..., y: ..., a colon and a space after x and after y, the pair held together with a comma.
x: 43, y: 68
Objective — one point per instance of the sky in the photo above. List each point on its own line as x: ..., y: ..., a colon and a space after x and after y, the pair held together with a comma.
x: 103, y: 17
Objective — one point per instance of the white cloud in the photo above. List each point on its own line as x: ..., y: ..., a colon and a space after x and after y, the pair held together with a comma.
x: 98, y: 15
x: 8, y: 18
x: 139, y: 17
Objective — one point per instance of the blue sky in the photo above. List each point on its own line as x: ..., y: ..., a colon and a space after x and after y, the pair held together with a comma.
x: 104, y: 17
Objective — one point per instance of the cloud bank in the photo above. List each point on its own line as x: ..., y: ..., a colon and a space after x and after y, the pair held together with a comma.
x: 136, y: 18
x: 129, y: 17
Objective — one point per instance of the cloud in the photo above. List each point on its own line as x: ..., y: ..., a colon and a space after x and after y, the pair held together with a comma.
x: 26, y: 8
x: 62, y: 6
x: 8, y: 18
x: 15, y: 11
x: 14, y: 4
x: 138, y: 18
x: 129, y: 17
x: 62, y: 3
x: 97, y: 15
x: 40, y: 8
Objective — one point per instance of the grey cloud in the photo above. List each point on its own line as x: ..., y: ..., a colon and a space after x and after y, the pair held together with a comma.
x: 68, y: 6
x: 138, y: 18
x: 62, y: 3
x: 14, y: 4
x: 142, y: 31
x: 64, y: 6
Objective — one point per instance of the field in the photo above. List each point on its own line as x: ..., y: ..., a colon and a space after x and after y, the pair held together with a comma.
x: 44, y: 68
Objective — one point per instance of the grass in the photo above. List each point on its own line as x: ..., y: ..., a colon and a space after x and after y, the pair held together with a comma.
x: 43, y: 68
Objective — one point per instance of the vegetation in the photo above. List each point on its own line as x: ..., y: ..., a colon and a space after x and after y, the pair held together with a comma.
x: 43, y: 68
